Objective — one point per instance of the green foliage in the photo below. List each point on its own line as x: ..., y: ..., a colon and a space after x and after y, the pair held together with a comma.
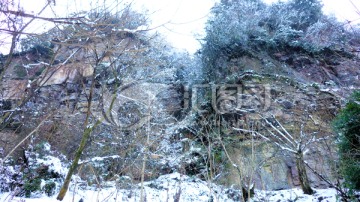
x: 32, y: 185
x: 39, y: 46
x: 34, y: 176
x: 20, y: 71
x: 347, y: 124
x: 49, y: 188
x: 44, y: 50
x: 38, y: 177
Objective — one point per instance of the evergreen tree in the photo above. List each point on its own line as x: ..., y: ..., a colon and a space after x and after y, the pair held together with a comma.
x: 347, y: 125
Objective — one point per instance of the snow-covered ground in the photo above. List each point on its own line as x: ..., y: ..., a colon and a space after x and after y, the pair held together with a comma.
x: 325, y: 195
x: 172, y: 186
x: 165, y: 188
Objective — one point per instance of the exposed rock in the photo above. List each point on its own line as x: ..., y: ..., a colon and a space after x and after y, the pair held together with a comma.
x: 296, y: 88
x: 8, y: 140
x: 293, y: 104
x: 13, y: 89
x: 336, y: 71
x: 68, y: 73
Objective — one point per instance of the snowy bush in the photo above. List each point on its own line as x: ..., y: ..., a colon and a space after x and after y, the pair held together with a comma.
x: 306, y: 13
x: 43, y: 173
x: 10, y: 177
x: 232, y: 30
x: 40, y: 173
x: 327, y: 33
x: 249, y: 28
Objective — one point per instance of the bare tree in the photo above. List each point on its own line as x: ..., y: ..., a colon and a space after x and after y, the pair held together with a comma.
x: 13, y: 27
x: 112, y: 49
x: 296, y: 144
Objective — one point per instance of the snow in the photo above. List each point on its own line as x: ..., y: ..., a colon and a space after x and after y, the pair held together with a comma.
x: 166, y: 187
x: 29, y: 66
x: 54, y: 164
x: 140, y: 28
x: 50, y: 160
x: 99, y: 159
x: 328, y: 195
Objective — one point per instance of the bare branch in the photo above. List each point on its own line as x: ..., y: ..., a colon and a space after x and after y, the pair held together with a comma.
x: 14, y: 32
x: 54, y: 20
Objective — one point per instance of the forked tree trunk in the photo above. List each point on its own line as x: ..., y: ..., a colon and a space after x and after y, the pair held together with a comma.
x: 303, y: 178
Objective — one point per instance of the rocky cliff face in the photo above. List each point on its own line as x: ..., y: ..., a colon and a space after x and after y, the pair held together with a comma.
x: 329, y: 69
x: 302, y: 91
x: 300, y: 108
x: 160, y: 118
x: 134, y: 116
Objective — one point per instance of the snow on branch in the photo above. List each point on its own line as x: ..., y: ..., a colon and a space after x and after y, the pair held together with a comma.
x: 280, y: 136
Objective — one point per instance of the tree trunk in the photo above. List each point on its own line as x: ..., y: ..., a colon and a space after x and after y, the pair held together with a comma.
x: 85, y: 137
x: 303, y: 178
x: 73, y: 166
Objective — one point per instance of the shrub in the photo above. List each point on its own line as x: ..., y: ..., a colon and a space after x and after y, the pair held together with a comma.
x: 37, y: 46
x: 20, y: 71
x: 32, y: 186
